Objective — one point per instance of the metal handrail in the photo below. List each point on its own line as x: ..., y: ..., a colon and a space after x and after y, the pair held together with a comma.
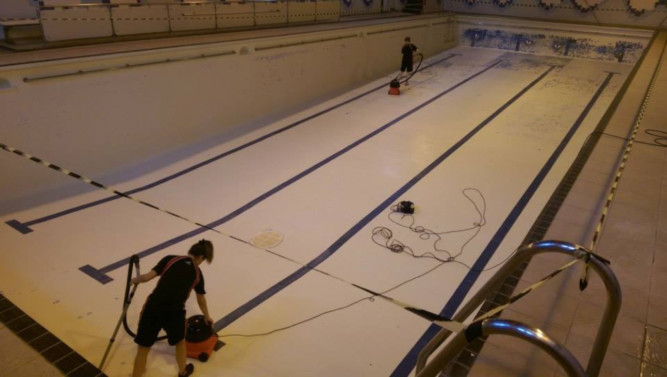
x: 607, y: 323
x: 491, y: 326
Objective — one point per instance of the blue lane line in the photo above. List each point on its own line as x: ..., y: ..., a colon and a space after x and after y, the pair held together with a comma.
x: 24, y: 227
x: 245, y: 308
x: 408, y: 363
x: 100, y: 274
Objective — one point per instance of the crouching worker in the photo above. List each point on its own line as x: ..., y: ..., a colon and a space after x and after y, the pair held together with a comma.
x: 165, y: 307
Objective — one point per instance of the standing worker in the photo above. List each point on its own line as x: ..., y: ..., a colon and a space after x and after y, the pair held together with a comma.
x: 406, y: 64
x: 165, y: 307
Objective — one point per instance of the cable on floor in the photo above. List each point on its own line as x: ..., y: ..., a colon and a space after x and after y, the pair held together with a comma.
x: 660, y: 137
x: 398, y: 247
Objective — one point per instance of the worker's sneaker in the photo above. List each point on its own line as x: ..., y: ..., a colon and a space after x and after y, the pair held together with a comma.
x: 188, y: 371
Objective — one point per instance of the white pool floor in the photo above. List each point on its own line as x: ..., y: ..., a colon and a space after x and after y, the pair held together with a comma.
x: 478, y: 142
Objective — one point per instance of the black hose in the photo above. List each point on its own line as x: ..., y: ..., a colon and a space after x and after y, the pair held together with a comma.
x: 129, y: 294
x: 421, y: 59
x: 127, y: 298
x: 134, y: 261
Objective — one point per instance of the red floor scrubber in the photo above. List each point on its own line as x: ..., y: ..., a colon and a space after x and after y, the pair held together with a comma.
x: 395, y: 84
x: 200, y: 339
x: 394, y: 87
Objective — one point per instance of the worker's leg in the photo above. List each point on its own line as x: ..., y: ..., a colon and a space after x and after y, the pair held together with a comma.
x: 180, y: 356
x: 183, y: 368
x: 140, y: 361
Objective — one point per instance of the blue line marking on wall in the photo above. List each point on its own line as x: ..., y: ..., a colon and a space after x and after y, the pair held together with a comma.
x: 408, y: 363
x: 98, y: 274
x: 25, y: 227
x: 234, y: 315
x: 554, y: 44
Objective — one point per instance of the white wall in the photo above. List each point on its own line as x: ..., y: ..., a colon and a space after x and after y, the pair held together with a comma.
x: 116, y: 123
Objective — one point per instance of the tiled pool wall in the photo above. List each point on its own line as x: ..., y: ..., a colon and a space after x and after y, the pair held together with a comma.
x: 553, y: 42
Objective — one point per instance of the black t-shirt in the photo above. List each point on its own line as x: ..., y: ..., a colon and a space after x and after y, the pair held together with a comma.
x: 407, y: 51
x: 176, y: 282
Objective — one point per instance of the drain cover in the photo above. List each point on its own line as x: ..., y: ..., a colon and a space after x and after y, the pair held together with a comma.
x: 267, y: 239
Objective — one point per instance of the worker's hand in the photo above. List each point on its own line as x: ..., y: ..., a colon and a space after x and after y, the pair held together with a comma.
x: 208, y: 320
x: 135, y: 281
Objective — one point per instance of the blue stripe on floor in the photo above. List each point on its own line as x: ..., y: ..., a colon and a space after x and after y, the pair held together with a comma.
x: 245, y: 308
x: 24, y: 227
x: 100, y: 274
x: 408, y: 363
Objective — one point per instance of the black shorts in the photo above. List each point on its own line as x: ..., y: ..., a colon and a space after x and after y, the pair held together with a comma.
x: 406, y: 65
x: 154, y: 319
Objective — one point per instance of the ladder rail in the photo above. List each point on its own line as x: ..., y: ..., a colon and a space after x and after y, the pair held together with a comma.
x: 605, y: 329
x: 493, y: 326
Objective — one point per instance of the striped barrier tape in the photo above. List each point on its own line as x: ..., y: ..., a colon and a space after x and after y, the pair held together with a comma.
x: 97, y: 184
x: 455, y: 326
x: 436, y: 319
x: 127, y: 196
x: 583, y: 282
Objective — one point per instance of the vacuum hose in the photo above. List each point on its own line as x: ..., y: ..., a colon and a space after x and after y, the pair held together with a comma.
x: 421, y: 59
x: 129, y: 294
x: 134, y: 262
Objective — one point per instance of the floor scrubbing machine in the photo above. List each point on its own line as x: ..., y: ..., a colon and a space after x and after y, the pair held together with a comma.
x: 395, y: 87
x: 395, y: 84
x: 200, y: 339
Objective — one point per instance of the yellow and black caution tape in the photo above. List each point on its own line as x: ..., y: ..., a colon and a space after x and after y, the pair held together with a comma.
x: 439, y: 320
x: 583, y: 282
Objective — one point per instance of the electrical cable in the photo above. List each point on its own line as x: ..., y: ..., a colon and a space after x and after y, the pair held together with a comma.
x: 659, y: 141
x: 128, y: 296
x: 369, y: 298
x: 424, y: 234
x: 296, y: 323
x: 660, y: 136
x: 398, y: 247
